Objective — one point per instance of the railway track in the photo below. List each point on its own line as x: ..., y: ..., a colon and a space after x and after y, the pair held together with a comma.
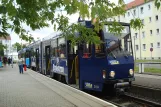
x: 138, y: 96
x: 128, y: 100
x: 149, y: 93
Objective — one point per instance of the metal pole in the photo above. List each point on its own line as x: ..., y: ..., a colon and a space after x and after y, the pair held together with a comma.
x: 139, y: 37
x: 134, y: 48
x: 12, y: 57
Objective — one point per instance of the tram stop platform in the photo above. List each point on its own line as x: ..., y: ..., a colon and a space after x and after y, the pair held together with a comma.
x: 148, y: 80
x: 32, y: 89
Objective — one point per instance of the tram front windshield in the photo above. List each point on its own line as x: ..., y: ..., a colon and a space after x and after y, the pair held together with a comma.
x: 118, y: 45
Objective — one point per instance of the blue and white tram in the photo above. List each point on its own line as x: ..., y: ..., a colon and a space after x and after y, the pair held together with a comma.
x: 89, y: 66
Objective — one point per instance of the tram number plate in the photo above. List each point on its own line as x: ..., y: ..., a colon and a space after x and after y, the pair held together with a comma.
x: 88, y: 85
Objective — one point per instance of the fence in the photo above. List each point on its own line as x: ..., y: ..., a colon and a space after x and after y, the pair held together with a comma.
x: 142, y: 66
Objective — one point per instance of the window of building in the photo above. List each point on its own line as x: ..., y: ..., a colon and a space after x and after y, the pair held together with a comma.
x: 128, y: 13
x: 157, y: 31
x: 143, y: 34
x: 142, y: 21
x: 134, y: 12
x: 136, y: 35
x: 151, y: 45
x: 141, y: 10
x: 149, y: 7
x: 151, y: 32
x: 137, y: 47
x: 156, y: 17
x: 158, y: 44
x: 149, y: 19
x: 144, y: 46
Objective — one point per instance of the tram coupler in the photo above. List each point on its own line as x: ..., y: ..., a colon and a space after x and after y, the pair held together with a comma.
x: 121, y: 87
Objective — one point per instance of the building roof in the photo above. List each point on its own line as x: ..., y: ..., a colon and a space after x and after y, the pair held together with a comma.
x: 7, y: 38
x: 135, y: 3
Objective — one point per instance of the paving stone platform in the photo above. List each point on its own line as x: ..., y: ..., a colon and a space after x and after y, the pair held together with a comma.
x: 32, y: 89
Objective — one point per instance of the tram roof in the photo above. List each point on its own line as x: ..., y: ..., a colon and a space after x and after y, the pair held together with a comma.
x: 53, y: 35
x: 122, y: 23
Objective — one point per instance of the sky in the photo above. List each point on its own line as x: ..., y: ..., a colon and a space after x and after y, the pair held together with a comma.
x: 41, y: 33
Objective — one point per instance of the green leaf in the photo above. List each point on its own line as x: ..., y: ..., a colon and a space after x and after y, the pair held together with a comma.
x: 136, y: 24
x: 157, y: 3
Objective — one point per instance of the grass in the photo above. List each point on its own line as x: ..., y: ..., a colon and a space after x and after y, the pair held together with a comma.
x: 148, y: 61
x: 149, y: 70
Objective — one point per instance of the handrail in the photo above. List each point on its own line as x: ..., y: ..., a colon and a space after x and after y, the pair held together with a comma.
x: 148, y: 62
x: 141, y: 66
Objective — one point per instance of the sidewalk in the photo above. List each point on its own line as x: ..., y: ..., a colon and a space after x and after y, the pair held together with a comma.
x: 32, y: 89
x: 21, y: 90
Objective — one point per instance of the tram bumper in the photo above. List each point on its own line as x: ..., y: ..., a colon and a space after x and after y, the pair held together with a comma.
x: 122, y: 85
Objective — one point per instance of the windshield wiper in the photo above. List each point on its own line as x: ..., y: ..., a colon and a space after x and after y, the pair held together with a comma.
x: 126, y: 55
x: 109, y: 51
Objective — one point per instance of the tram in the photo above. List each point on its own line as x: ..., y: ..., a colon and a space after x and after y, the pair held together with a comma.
x: 87, y: 66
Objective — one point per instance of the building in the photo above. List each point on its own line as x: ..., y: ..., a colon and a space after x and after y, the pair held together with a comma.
x: 10, y: 51
x: 6, y: 42
x: 146, y: 41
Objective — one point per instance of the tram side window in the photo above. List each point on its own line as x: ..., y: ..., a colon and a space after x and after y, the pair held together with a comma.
x: 87, y: 50
x: 37, y: 52
x: 61, y: 47
x: 43, y: 51
x: 27, y: 54
x: 62, y: 51
x: 70, y: 50
x: 100, y: 48
x: 54, y: 48
x: 34, y: 54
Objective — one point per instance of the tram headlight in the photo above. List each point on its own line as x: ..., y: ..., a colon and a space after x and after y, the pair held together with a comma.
x: 104, y: 74
x: 112, y: 74
x: 131, y: 72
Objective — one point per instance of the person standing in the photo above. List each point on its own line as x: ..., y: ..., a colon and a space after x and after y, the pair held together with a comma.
x: 9, y: 61
x: 12, y: 62
x: 20, y: 64
x: 4, y: 60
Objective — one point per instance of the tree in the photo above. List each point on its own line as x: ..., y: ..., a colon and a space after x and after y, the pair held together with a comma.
x: 2, y: 47
x: 18, y: 46
x: 23, y: 46
x: 39, y: 13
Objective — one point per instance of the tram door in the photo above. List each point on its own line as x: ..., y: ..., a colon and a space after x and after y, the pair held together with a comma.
x: 73, y: 70
x: 47, y: 57
x: 37, y: 59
